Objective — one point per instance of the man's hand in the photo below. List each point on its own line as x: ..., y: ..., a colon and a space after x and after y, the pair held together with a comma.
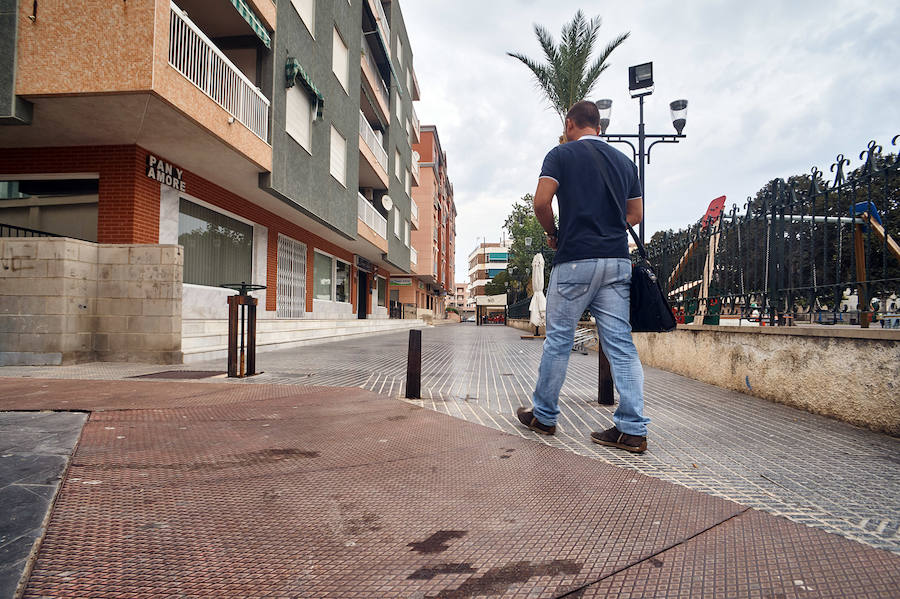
x: 552, y: 241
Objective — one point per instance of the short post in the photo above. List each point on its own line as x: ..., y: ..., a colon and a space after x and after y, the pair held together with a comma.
x: 414, y: 365
x: 241, y: 314
x: 605, y: 395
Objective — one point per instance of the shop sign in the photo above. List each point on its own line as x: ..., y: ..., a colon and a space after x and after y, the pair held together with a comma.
x: 401, y: 282
x: 165, y: 172
x: 363, y: 264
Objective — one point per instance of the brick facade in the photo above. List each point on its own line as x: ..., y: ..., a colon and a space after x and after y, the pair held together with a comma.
x: 129, y: 201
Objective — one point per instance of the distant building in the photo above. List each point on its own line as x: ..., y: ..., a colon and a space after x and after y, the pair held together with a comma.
x: 485, y: 262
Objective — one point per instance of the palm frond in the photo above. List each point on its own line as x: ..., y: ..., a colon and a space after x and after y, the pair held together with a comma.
x: 565, y: 77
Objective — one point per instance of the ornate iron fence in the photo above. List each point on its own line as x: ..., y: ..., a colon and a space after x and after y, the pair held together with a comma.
x: 803, y: 250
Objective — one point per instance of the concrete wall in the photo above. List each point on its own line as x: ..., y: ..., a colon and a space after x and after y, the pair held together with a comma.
x: 523, y: 324
x: 64, y: 301
x: 849, y: 374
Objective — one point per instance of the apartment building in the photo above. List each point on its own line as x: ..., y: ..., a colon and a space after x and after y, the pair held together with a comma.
x: 486, y: 261
x: 459, y: 295
x: 273, y: 141
x: 431, y: 287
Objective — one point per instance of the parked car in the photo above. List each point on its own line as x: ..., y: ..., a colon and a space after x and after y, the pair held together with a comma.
x: 470, y: 319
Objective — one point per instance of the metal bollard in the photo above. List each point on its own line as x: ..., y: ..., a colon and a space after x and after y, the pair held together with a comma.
x: 414, y: 365
x: 605, y: 395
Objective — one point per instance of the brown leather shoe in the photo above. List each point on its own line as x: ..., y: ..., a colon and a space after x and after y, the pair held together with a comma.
x: 613, y: 438
x: 526, y: 417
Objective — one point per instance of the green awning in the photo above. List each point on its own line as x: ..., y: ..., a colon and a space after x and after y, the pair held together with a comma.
x: 387, y: 53
x: 293, y: 72
x: 255, y: 24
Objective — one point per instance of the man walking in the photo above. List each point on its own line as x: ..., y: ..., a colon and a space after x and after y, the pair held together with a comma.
x: 592, y: 271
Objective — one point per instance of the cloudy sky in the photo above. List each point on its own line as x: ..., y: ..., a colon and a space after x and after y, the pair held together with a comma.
x: 774, y: 87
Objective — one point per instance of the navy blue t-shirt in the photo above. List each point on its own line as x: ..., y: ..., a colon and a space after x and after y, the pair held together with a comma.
x: 589, y: 224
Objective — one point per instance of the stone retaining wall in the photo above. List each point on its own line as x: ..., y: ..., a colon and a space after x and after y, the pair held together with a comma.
x: 849, y: 374
x: 64, y: 300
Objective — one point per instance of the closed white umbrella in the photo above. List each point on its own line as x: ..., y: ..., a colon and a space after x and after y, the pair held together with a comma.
x: 538, y: 305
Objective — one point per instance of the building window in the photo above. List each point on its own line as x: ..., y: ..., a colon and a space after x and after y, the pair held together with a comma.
x: 331, y: 278
x: 397, y: 223
x: 397, y: 164
x: 291, y: 298
x: 340, y: 61
x: 409, y: 88
x: 408, y: 182
x: 307, y: 12
x: 338, y: 157
x: 299, y: 116
x: 66, y: 207
x: 341, y: 281
x: 398, y: 107
x: 382, y: 291
x: 399, y: 52
x: 217, y: 249
x: 406, y: 232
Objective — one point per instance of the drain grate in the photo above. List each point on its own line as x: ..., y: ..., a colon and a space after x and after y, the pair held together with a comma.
x: 180, y: 374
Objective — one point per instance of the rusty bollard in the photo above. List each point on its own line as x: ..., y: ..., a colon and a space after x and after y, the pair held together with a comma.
x: 414, y: 365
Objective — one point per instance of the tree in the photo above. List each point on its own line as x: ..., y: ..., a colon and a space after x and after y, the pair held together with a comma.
x: 567, y: 77
x: 528, y: 238
x: 497, y: 285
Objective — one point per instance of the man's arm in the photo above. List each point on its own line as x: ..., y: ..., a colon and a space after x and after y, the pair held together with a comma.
x: 634, y: 210
x: 543, y: 207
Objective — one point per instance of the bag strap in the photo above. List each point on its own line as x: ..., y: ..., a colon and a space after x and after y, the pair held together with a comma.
x: 604, y: 174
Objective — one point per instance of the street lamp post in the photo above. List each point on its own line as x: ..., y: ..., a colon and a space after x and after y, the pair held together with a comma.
x: 640, y: 84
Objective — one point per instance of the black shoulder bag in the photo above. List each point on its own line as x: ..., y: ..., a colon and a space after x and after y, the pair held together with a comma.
x: 650, y: 310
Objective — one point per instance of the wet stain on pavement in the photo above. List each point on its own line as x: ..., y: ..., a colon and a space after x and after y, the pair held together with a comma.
x: 497, y: 580
x: 657, y: 563
x: 432, y: 571
x: 397, y: 417
x: 437, y: 543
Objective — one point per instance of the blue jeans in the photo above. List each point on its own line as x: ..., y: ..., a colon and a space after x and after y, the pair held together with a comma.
x: 602, y: 285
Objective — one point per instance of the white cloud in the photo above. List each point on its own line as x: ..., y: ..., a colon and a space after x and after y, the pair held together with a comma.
x: 773, y: 87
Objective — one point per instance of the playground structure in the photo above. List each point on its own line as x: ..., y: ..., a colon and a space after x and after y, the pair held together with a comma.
x: 799, y: 250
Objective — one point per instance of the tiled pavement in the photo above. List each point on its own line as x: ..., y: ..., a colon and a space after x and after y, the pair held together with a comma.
x: 251, y: 491
x: 34, y: 453
x: 810, y: 469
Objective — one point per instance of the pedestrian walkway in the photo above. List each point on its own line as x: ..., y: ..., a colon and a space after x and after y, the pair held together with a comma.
x: 185, y: 489
x: 808, y: 468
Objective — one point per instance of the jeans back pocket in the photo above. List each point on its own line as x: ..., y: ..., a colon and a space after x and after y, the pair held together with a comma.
x: 573, y: 279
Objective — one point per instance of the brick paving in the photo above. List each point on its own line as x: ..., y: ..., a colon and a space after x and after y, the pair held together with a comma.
x: 810, y: 469
x: 184, y: 489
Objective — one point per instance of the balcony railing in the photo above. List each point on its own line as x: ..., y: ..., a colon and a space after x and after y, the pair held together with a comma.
x: 413, y: 256
x: 193, y: 55
x: 414, y: 211
x: 380, y: 88
x: 382, y: 20
x: 368, y: 135
x: 370, y: 216
x: 415, y: 122
x: 415, y: 165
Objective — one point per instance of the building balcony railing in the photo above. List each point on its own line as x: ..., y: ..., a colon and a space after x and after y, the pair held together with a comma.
x: 370, y: 216
x: 413, y: 256
x: 193, y: 55
x: 414, y: 213
x: 382, y: 20
x: 415, y: 122
x: 368, y: 135
x: 415, y: 166
x: 380, y: 88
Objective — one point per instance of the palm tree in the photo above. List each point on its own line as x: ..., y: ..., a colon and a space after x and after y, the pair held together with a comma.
x: 566, y: 77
